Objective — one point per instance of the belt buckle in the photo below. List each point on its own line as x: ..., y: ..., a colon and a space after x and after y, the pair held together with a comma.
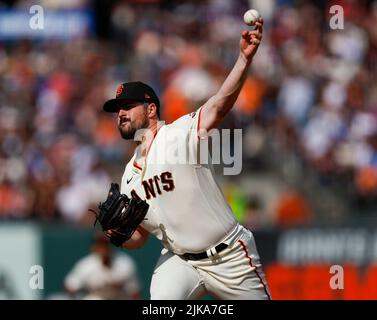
x: 210, y: 253
x: 214, y: 251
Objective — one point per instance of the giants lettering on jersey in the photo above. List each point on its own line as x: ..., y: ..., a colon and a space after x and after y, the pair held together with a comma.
x: 154, y: 186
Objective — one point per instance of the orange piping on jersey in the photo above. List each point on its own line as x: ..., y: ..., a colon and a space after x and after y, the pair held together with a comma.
x: 137, y: 166
x: 134, y: 163
x: 254, y: 268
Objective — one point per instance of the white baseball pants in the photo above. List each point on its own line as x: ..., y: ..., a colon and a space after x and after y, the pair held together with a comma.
x: 235, y: 273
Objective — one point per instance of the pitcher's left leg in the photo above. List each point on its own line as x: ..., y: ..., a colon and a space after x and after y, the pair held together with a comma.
x: 257, y: 282
x: 237, y: 274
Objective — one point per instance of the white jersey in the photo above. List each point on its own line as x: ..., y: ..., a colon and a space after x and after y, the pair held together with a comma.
x: 91, y: 275
x: 187, y: 210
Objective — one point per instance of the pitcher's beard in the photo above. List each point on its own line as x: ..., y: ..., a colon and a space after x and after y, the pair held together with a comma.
x: 127, y: 135
x: 128, y: 132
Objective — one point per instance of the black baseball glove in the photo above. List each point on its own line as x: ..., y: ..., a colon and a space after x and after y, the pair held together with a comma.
x: 121, y: 215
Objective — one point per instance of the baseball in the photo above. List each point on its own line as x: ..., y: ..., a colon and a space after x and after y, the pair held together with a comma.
x: 251, y: 16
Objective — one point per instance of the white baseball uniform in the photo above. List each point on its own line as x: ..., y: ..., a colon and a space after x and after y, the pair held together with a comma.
x: 189, y: 214
x: 90, y: 274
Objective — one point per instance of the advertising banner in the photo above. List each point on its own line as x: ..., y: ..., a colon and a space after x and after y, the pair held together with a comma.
x: 320, y: 263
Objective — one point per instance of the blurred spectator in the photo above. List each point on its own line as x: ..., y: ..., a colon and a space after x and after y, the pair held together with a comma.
x: 366, y: 181
x: 14, y: 202
x: 254, y: 214
x: 103, y: 275
x: 293, y: 210
x: 311, y: 97
x: 88, y: 186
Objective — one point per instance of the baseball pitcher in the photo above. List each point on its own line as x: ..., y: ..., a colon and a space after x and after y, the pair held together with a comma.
x: 205, y: 249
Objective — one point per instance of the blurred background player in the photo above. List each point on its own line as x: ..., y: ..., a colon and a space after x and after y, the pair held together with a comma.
x: 103, y: 274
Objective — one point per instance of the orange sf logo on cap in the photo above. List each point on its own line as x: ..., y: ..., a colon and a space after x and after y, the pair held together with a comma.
x: 119, y: 90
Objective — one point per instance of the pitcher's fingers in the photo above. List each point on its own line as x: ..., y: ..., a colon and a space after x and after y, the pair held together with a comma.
x: 256, y: 34
x: 255, y: 41
x: 259, y: 25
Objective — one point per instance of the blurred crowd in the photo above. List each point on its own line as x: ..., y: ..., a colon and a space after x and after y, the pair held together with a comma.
x: 308, y: 107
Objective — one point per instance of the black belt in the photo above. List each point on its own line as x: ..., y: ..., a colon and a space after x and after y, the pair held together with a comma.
x: 203, y: 255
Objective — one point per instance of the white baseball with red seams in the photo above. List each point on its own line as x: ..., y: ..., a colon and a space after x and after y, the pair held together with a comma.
x: 189, y: 214
x: 251, y: 16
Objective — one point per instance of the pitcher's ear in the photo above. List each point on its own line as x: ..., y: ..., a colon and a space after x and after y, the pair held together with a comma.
x: 152, y: 109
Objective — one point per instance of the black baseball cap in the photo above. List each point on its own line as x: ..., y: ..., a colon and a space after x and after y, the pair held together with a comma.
x: 134, y: 91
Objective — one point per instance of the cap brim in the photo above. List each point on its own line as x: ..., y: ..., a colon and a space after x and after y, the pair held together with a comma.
x: 113, y: 105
